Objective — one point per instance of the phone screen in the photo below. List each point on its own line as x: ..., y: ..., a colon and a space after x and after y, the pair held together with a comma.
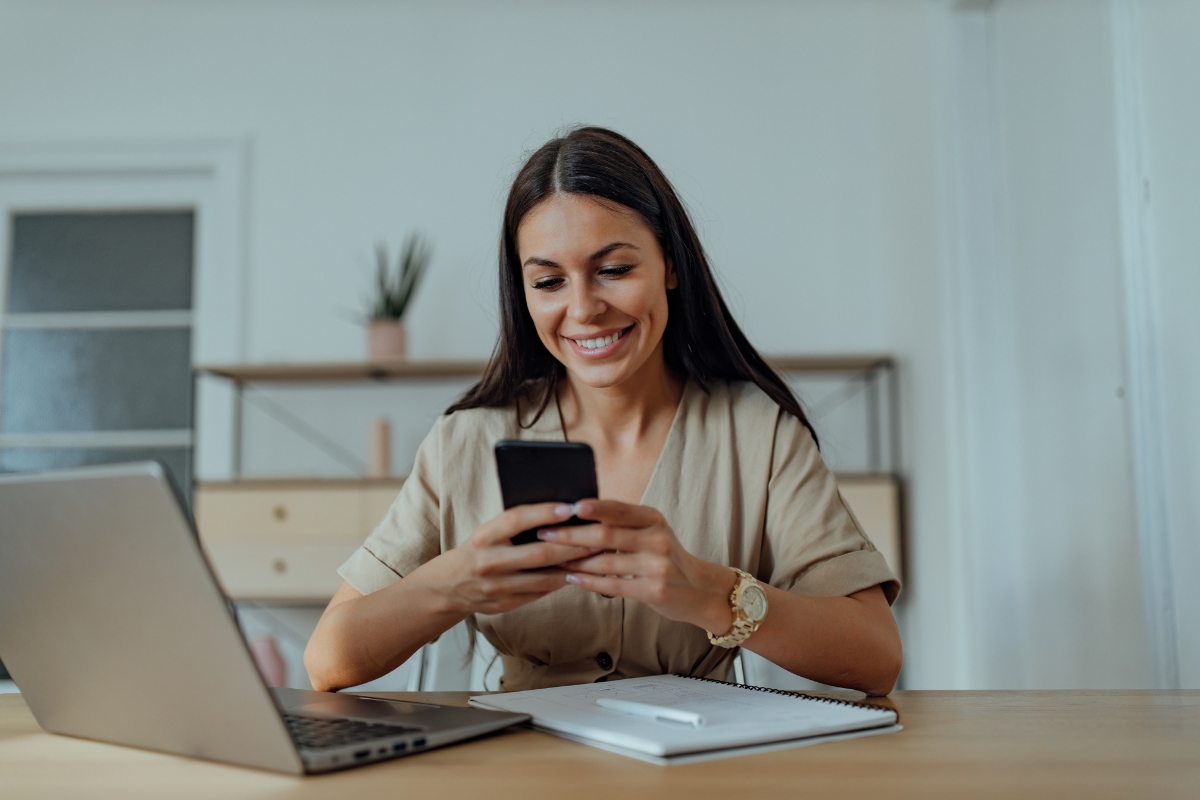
x: 545, y: 472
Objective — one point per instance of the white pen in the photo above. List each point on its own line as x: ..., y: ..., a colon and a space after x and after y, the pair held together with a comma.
x: 651, y: 711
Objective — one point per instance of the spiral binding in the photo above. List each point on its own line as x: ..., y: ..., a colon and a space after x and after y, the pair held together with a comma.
x: 786, y: 693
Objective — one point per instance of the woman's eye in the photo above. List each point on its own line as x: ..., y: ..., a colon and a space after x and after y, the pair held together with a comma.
x: 613, y: 272
x: 547, y: 283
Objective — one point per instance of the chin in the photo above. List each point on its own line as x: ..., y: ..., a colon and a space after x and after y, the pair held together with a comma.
x: 600, y: 376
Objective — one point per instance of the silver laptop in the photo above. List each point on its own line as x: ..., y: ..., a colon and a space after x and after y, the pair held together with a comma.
x: 114, y: 629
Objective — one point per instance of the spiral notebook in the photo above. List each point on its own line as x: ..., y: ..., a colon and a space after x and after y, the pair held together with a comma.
x: 728, y: 719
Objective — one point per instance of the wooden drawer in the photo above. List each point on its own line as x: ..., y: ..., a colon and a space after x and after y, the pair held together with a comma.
x: 264, y: 570
x: 874, y: 500
x: 284, y: 540
x: 292, y: 510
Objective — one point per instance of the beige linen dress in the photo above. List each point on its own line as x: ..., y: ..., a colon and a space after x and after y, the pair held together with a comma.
x: 740, y: 481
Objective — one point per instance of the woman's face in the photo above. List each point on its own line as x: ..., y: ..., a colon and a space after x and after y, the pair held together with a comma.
x: 596, y: 285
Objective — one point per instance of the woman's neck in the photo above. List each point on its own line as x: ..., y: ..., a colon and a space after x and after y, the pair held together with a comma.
x: 623, y: 416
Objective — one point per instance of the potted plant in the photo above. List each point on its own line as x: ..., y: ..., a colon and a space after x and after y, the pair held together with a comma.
x: 394, y: 289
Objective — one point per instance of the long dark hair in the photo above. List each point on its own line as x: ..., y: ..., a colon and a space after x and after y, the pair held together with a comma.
x: 701, y: 340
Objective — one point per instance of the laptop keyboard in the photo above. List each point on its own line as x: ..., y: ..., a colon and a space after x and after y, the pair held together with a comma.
x: 317, y: 733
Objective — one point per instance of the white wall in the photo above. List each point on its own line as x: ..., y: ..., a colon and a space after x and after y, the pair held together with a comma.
x: 1037, y: 118
x: 1169, y: 31
x: 803, y: 136
x: 1083, y: 620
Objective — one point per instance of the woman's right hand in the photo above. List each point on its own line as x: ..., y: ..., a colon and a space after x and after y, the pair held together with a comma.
x: 487, y: 574
x: 360, y: 637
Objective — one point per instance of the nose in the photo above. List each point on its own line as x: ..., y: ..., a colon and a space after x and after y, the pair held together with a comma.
x: 583, y: 305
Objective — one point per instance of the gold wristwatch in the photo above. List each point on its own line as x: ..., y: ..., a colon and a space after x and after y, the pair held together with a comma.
x: 748, y: 602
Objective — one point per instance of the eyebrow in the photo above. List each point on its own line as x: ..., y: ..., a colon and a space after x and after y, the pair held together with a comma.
x: 535, y: 261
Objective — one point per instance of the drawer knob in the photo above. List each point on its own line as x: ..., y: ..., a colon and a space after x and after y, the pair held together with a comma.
x: 279, y: 565
x: 280, y: 513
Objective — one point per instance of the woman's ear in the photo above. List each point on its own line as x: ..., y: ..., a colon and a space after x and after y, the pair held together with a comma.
x: 672, y: 276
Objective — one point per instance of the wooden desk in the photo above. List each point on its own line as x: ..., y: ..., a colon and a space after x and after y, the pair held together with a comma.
x: 1086, y: 744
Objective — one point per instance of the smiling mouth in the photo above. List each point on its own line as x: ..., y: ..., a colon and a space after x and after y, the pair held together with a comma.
x: 603, y: 341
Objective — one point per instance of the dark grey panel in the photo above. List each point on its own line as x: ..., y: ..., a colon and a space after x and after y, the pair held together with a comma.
x: 81, y: 380
x: 101, y: 262
x: 178, y: 461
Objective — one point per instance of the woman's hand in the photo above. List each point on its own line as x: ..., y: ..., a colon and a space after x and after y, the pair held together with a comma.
x: 487, y: 574
x: 360, y: 637
x: 652, y: 565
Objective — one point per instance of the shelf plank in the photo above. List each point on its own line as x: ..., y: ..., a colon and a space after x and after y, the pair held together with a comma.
x: 345, y: 371
x: 829, y: 364
x: 350, y: 371
x: 293, y: 482
x: 316, y: 482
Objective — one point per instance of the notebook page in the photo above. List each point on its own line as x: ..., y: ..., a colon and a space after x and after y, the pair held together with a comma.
x: 735, y: 716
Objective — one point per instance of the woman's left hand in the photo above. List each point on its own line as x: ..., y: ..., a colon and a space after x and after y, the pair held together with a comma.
x: 653, y: 566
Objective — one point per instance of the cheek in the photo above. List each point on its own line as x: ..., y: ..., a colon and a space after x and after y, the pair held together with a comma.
x: 647, y: 302
x: 545, y: 313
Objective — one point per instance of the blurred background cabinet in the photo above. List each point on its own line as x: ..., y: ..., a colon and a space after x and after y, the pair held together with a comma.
x: 283, y: 540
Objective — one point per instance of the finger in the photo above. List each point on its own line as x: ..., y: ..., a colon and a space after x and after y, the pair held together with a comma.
x: 618, y: 564
x: 613, y: 587
x: 509, y: 602
x: 495, y: 560
x: 520, y: 518
x: 496, y: 587
x: 604, y: 537
x: 614, y: 512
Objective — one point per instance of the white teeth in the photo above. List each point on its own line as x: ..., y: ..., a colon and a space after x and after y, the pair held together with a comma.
x: 592, y: 344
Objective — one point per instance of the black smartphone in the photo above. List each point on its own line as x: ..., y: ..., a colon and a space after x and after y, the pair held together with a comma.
x: 545, y: 472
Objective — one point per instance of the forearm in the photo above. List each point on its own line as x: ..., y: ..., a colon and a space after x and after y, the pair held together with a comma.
x: 845, y: 641
x: 362, y: 638
x: 842, y: 641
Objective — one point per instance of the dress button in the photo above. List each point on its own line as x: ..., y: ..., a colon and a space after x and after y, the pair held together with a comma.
x: 604, y: 661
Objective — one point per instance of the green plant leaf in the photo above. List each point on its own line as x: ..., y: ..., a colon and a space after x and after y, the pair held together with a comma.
x: 394, y: 290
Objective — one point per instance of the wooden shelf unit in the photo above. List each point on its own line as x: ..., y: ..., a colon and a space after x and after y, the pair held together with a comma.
x: 261, y: 549
x: 282, y: 539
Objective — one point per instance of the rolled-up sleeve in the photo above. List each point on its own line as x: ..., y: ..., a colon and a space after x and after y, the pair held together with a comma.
x: 813, y: 545
x: 410, y: 534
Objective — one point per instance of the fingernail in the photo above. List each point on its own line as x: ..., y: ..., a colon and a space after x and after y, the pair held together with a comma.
x: 564, y: 511
x: 575, y: 508
x: 572, y: 578
x: 547, y: 536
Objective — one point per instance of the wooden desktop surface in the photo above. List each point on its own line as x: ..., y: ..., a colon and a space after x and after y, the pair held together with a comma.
x: 1052, y: 744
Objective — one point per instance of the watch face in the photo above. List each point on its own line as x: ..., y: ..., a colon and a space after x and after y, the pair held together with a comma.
x: 754, y: 603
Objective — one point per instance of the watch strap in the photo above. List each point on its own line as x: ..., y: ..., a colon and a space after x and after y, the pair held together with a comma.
x: 743, y: 626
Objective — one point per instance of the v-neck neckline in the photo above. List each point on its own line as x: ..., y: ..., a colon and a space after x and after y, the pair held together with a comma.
x: 674, y: 437
x: 551, y: 426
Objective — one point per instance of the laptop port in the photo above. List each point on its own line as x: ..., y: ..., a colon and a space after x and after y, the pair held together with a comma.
x: 419, y: 742
x: 398, y: 747
x: 362, y: 754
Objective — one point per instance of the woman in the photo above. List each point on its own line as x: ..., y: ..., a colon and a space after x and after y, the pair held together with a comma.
x: 718, y: 524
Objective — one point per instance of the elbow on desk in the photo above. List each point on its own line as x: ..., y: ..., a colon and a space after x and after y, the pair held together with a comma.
x: 886, y: 671
x: 885, y: 682
x: 320, y: 674
x: 326, y: 662
x: 872, y: 670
